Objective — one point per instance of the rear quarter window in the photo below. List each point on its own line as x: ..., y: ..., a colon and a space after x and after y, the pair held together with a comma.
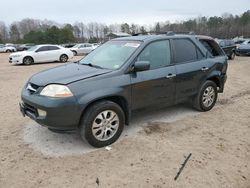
x: 212, y: 47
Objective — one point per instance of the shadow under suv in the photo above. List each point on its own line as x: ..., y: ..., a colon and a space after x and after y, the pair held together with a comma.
x: 98, y: 94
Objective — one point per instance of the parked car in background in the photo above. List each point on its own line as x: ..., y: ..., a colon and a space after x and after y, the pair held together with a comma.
x: 68, y: 45
x: 243, y: 49
x: 228, y: 46
x: 41, y: 53
x: 98, y: 94
x: 4, y: 48
x: 84, y: 48
x: 24, y: 47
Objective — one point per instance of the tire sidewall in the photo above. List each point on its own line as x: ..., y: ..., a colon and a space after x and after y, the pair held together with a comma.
x: 89, y: 117
x: 28, y: 63
x: 203, y: 88
x: 232, y: 56
x: 65, y: 57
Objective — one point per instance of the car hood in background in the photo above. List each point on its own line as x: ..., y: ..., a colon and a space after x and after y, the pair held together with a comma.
x: 66, y: 74
x: 244, y: 47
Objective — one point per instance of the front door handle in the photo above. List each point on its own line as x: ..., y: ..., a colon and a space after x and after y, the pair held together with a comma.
x: 169, y: 76
x: 204, y: 68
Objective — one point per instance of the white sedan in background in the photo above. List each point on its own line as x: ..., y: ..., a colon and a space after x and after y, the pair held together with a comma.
x: 7, y: 48
x: 84, y: 48
x: 40, y: 54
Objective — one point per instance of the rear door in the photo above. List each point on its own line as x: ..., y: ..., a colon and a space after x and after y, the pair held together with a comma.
x: 191, y: 68
x: 87, y: 48
x: 53, y: 53
x: 154, y: 86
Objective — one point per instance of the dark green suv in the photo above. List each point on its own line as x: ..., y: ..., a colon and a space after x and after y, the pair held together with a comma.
x: 98, y: 94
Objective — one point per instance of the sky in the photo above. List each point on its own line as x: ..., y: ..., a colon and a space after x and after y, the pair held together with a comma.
x: 143, y: 12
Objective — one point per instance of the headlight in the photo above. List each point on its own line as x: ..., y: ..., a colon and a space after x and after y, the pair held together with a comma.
x: 54, y: 90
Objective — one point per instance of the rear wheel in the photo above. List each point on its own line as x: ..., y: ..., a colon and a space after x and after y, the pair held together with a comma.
x: 8, y: 51
x: 232, y: 56
x: 28, y: 60
x: 102, y: 124
x: 75, y: 53
x: 64, y: 58
x: 207, y: 97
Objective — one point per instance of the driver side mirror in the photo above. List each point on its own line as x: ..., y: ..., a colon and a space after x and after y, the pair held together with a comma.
x: 141, y: 66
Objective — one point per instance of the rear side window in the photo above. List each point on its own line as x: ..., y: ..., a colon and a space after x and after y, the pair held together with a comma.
x: 186, y: 51
x: 53, y: 48
x: 157, y: 53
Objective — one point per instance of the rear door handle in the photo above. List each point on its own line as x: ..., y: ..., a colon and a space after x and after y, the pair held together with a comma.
x: 169, y: 76
x: 204, y: 68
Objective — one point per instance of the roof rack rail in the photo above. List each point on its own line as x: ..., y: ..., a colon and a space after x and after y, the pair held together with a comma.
x: 169, y: 33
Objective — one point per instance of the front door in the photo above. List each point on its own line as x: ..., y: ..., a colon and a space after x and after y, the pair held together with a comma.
x: 155, y: 86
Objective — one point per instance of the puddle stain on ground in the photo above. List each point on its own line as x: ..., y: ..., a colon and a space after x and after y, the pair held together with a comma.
x: 49, y: 143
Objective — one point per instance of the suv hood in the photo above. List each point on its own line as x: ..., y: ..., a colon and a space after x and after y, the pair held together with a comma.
x: 66, y: 74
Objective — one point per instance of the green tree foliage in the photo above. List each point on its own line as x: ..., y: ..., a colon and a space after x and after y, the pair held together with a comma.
x: 157, y: 27
x: 225, y: 26
x: 125, y: 28
x: 53, y: 35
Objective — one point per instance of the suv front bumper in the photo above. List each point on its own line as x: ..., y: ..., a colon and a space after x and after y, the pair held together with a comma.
x: 61, y: 114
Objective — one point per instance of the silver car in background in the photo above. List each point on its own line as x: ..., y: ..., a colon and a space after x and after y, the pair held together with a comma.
x: 83, y: 48
x: 7, y: 48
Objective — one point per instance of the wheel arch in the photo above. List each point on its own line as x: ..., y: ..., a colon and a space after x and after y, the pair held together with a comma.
x: 120, y: 100
x: 28, y: 56
x: 216, y: 80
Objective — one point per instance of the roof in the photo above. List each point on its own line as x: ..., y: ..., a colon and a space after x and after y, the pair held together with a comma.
x: 155, y: 37
x: 162, y: 36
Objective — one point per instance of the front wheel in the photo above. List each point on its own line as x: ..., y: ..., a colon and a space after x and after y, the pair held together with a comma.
x: 207, y: 96
x: 28, y: 61
x: 64, y: 58
x: 102, y: 124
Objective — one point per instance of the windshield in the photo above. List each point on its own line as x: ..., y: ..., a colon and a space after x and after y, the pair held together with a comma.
x: 76, y: 46
x: 246, y: 42
x: 32, y: 48
x: 111, y: 55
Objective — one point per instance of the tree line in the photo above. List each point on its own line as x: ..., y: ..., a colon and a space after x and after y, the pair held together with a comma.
x: 46, y: 31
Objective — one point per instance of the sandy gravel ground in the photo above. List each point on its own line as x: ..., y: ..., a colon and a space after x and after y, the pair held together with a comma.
x: 150, y: 152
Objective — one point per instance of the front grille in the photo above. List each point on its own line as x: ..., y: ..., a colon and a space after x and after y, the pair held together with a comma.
x: 32, y: 88
x: 31, y: 109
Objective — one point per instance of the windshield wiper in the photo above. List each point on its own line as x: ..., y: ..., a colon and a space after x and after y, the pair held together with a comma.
x: 91, y: 65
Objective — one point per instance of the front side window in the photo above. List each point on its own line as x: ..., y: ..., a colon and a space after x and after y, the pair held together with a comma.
x: 111, y: 55
x: 42, y: 49
x: 158, y: 54
x: 185, y: 50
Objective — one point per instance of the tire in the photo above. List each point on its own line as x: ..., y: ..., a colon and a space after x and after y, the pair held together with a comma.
x: 207, y: 97
x: 75, y: 53
x: 232, y: 56
x: 8, y: 51
x: 28, y: 60
x: 64, y: 58
x: 104, y: 118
